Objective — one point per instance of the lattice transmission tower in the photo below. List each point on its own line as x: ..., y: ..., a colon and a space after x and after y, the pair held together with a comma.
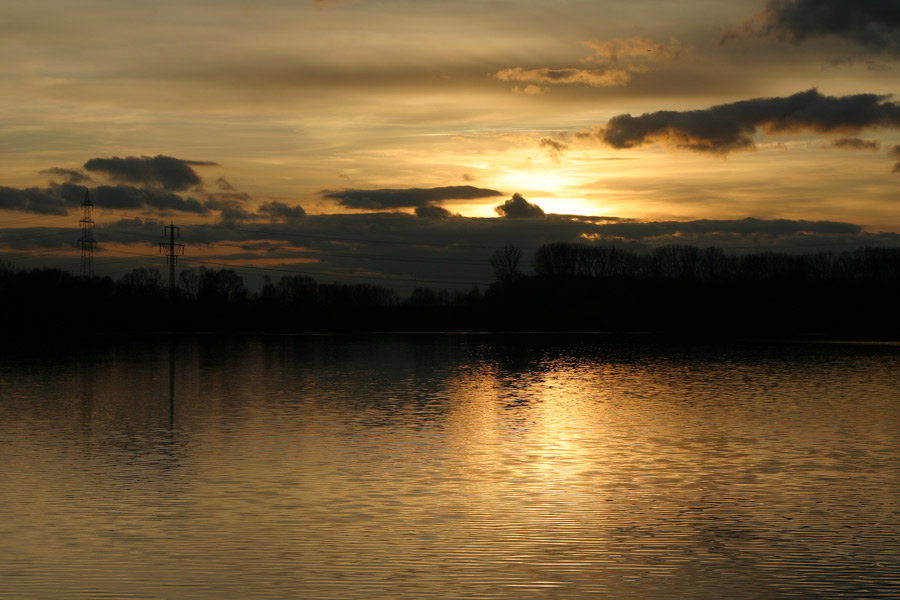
x: 172, y: 252
x: 87, y: 241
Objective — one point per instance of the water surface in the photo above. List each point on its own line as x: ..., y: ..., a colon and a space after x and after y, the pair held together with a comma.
x: 445, y: 467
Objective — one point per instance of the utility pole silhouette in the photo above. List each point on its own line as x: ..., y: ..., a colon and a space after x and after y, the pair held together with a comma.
x: 172, y: 252
x: 87, y: 241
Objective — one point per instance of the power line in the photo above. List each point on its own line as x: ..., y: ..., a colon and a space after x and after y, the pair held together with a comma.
x: 365, y: 256
x: 317, y: 273
x: 60, y: 231
x: 350, y: 239
x: 29, y: 219
x: 451, y: 245
x: 436, y: 261
x: 353, y: 275
x: 30, y: 253
x: 143, y: 236
x: 318, y: 236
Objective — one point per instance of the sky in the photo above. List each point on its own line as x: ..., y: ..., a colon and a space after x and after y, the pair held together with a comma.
x: 402, y: 142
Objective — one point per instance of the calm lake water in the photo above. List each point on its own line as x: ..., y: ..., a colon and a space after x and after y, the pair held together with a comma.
x: 450, y: 467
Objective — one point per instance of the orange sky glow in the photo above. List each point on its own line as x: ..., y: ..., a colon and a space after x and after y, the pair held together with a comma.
x: 376, y: 123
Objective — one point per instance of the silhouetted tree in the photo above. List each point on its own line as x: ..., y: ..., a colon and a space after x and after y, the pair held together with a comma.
x: 556, y: 260
x: 676, y: 261
x: 427, y: 297
x: 189, y: 284
x: 222, y: 286
x: 712, y: 263
x: 297, y: 289
x: 143, y: 282
x: 505, y: 263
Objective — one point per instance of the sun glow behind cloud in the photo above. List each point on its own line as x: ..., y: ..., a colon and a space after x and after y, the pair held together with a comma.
x: 554, y: 189
x: 288, y: 101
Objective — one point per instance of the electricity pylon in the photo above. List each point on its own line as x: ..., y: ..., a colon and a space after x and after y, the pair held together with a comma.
x: 172, y: 252
x: 87, y: 241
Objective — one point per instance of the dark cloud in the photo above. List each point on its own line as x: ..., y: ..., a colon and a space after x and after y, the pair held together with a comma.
x: 874, y: 66
x: 433, y: 212
x: 873, y: 24
x: 741, y: 227
x: 554, y: 148
x: 224, y: 185
x: 158, y: 171
x: 406, y: 198
x: 42, y: 201
x: 854, y: 144
x: 518, y: 207
x: 135, y: 225
x: 730, y: 127
x: 32, y: 238
x: 471, y: 240
x: 474, y: 236
x: 280, y: 211
x: 125, y: 197
x: 60, y: 199
x: 404, y: 251
x: 231, y: 206
x: 894, y: 153
x: 71, y: 175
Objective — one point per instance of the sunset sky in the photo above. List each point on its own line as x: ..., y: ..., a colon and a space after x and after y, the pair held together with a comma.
x: 374, y: 140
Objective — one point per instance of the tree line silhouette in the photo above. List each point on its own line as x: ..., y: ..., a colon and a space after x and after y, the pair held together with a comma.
x: 689, y: 289
x: 572, y: 287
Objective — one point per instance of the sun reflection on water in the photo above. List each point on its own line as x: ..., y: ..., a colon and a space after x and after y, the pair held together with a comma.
x: 443, y: 467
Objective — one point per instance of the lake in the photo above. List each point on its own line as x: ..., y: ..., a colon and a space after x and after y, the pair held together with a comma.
x: 449, y: 467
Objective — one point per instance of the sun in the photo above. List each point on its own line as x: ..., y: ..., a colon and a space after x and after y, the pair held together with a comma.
x: 536, y: 182
x: 556, y: 191
x: 567, y: 206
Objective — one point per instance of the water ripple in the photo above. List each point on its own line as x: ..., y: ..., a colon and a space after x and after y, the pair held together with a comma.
x: 451, y: 467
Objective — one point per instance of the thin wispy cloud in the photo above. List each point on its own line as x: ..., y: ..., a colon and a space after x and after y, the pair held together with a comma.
x: 323, y: 4
x: 617, y: 59
x: 554, y: 148
x: 846, y: 143
x: 635, y: 54
x: 70, y: 175
x: 594, y: 77
x: 894, y: 153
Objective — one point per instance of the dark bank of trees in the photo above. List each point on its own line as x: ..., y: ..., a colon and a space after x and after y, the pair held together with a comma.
x: 49, y: 302
x: 52, y: 302
x: 572, y: 287
x: 689, y: 289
